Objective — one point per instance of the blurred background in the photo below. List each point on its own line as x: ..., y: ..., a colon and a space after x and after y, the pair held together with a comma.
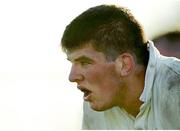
x: 35, y: 93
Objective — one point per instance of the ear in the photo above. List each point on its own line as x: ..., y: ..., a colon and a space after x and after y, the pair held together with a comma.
x: 125, y: 64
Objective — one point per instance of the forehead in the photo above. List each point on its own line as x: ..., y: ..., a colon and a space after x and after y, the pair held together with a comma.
x: 85, y: 51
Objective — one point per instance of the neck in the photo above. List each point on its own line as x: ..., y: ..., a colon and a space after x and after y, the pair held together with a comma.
x: 133, y: 108
x: 135, y: 86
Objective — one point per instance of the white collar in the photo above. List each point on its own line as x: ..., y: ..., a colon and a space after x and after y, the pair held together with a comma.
x: 150, y: 72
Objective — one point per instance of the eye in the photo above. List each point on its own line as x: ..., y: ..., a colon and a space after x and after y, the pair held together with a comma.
x: 84, y: 63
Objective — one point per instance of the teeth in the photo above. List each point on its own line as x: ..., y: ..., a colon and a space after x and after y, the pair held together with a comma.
x: 85, y: 91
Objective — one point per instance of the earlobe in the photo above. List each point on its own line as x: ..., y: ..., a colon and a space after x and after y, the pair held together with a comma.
x: 125, y: 64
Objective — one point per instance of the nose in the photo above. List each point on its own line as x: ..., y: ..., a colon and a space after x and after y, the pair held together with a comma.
x: 75, y: 74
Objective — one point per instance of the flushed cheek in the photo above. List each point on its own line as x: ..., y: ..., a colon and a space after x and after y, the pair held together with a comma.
x: 103, y: 78
x: 104, y: 92
x: 100, y: 76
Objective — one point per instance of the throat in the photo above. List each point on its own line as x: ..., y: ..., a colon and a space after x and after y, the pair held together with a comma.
x: 134, y: 108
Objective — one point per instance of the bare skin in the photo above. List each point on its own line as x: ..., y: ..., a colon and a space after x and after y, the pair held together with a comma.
x: 106, y: 84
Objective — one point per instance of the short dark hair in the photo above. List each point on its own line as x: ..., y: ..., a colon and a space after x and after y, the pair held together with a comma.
x: 109, y: 29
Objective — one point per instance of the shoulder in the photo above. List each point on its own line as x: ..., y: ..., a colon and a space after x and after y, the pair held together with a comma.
x: 171, y: 63
x: 166, y: 92
x: 168, y: 73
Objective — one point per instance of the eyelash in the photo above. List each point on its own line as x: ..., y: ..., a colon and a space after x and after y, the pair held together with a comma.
x: 83, y: 63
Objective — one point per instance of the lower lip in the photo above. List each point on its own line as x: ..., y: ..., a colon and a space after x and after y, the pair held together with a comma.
x: 87, y: 97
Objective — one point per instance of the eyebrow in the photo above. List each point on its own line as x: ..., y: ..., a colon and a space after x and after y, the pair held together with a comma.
x: 81, y: 58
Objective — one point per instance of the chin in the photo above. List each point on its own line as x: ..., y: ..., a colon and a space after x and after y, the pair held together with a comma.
x: 100, y: 108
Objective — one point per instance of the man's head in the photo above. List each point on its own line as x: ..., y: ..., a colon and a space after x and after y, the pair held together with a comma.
x: 104, y: 44
x: 169, y: 44
x: 110, y: 29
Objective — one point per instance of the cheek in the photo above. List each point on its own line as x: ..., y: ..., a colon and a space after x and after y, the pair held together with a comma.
x: 95, y: 78
x: 96, y: 75
x: 104, y: 78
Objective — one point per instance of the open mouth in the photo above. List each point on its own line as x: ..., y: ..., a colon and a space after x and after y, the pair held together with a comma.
x: 86, y: 94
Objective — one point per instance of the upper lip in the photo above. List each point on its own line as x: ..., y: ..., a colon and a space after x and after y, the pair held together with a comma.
x: 83, y: 89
